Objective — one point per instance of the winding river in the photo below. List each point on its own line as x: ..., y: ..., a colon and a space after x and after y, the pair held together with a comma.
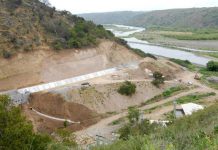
x: 124, y: 31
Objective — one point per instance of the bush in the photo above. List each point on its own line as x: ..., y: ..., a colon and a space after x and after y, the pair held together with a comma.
x: 6, y: 54
x: 127, y: 88
x: 133, y: 114
x: 158, y: 79
x: 212, y: 66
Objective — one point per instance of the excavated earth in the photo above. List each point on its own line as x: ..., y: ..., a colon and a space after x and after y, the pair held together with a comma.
x: 46, y: 65
x: 54, y: 105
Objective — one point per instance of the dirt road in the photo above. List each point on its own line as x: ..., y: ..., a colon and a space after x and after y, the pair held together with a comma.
x: 102, y: 128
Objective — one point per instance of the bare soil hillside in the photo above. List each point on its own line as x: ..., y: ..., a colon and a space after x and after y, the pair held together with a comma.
x: 43, y: 66
x: 54, y: 105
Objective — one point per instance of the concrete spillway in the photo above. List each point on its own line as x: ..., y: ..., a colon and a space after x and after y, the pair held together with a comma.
x: 47, y: 86
x: 21, y: 96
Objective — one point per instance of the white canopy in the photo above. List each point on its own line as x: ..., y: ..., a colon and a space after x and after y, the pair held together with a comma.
x: 189, y: 108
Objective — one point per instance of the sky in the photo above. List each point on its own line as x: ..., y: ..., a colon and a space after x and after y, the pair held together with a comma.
x: 90, y: 6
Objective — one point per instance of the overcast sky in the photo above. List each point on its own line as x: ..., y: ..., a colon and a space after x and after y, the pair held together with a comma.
x: 87, y: 6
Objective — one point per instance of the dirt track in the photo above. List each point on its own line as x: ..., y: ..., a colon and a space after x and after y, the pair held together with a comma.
x: 102, y: 127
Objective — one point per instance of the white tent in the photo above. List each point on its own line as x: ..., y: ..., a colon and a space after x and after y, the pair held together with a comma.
x: 189, y: 108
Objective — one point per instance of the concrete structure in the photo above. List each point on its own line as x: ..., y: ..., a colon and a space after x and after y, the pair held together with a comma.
x: 21, y: 96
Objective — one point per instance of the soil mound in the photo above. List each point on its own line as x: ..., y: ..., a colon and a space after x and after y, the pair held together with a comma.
x: 54, y: 105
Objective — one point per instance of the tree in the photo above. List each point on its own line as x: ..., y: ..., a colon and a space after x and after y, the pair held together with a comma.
x: 15, y: 132
x: 212, y: 66
x: 158, y: 79
x: 46, y: 2
x: 65, y: 123
x: 127, y: 88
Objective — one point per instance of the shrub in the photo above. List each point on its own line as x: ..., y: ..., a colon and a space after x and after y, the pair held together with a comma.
x: 133, y: 114
x: 212, y: 66
x: 127, y: 88
x: 158, y: 79
x: 134, y: 127
x: 6, y: 54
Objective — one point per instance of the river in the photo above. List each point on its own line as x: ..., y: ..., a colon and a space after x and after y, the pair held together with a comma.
x: 124, y: 31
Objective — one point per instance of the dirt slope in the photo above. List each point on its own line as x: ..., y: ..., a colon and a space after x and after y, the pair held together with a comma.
x: 43, y: 65
x: 104, y: 98
x: 54, y: 105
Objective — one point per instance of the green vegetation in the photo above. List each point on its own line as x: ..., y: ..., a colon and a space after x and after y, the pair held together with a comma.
x: 195, y: 132
x: 121, y: 17
x: 127, y: 88
x: 212, y: 66
x: 143, y: 54
x: 200, y: 34
x: 134, y: 127
x: 184, y: 63
x: 158, y: 79
x: 133, y: 114
x: 191, y: 18
x: 168, y: 93
x: 83, y: 34
x: 193, y: 97
x: 67, y: 139
x: 36, y: 24
x: 15, y: 132
x: 118, y: 121
x: 172, y: 90
x: 206, y: 74
x: 215, y: 55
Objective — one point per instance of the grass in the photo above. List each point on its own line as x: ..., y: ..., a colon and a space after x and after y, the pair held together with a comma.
x: 118, y: 121
x: 168, y: 93
x: 215, y: 55
x: 189, y: 34
x: 210, y: 54
x: 207, y: 74
x: 193, y: 97
x: 193, y: 36
x: 143, y: 54
x: 184, y: 63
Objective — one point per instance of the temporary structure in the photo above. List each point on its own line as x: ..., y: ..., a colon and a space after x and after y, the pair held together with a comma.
x: 189, y: 108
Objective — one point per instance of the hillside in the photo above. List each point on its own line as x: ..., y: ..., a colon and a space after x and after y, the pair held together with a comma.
x: 178, y: 18
x: 121, y: 17
x: 27, y: 25
x: 175, y: 18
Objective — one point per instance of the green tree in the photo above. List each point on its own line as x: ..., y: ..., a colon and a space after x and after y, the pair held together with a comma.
x: 158, y: 79
x: 15, y: 132
x: 212, y: 66
x: 127, y: 88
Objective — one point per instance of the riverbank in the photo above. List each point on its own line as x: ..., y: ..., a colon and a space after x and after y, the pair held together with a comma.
x: 207, y: 48
x: 135, y: 38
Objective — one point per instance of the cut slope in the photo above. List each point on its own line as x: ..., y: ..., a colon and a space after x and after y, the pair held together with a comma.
x: 44, y: 66
x: 54, y: 105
